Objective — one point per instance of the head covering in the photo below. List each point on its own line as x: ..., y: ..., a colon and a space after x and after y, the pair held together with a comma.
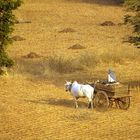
x: 111, y: 76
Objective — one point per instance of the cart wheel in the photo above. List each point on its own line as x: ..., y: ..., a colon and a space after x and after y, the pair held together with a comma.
x: 101, y: 101
x: 124, y: 103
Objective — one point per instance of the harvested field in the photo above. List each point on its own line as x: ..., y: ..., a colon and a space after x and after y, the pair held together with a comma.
x: 33, y: 103
x: 40, y: 110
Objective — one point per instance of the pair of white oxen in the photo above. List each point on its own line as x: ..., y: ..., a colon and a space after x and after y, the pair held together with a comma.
x: 79, y: 90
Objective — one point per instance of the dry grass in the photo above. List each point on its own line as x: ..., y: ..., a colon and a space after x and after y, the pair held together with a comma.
x: 33, y: 103
x: 62, y: 64
x: 120, y: 55
x: 90, y: 60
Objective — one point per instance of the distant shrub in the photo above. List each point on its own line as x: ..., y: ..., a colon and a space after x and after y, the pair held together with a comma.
x: 133, y: 19
x: 5, y: 60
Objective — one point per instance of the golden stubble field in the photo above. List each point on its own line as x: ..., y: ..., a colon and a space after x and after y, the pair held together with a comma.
x: 33, y: 103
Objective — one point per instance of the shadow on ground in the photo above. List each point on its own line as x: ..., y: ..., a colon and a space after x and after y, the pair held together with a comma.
x: 57, y: 102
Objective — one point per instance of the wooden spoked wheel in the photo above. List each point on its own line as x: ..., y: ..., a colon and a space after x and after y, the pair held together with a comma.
x: 124, y: 102
x: 101, y: 101
x: 110, y: 103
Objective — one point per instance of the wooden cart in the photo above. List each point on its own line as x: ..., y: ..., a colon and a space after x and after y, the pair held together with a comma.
x: 107, y: 94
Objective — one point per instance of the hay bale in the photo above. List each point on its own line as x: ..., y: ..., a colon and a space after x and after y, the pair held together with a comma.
x: 76, y: 46
x: 32, y: 55
x: 67, y: 30
x: 17, y: 38
x: 107, y: 23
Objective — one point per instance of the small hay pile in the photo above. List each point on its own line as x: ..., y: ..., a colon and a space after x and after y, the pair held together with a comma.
x: 32, y: 55
x: 67, y: 30
x: 76, y: 46
x: 17, y: 38
x: 107, y: 23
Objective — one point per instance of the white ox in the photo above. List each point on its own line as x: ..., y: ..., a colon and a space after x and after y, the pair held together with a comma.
x: 80, y: 90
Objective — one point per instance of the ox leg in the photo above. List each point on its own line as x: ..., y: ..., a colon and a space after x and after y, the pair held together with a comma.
x: 75, y: 100
x: 90, y: 105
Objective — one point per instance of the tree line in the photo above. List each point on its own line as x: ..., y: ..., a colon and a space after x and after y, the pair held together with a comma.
x: 7, y: 20
x: 133, y: 6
